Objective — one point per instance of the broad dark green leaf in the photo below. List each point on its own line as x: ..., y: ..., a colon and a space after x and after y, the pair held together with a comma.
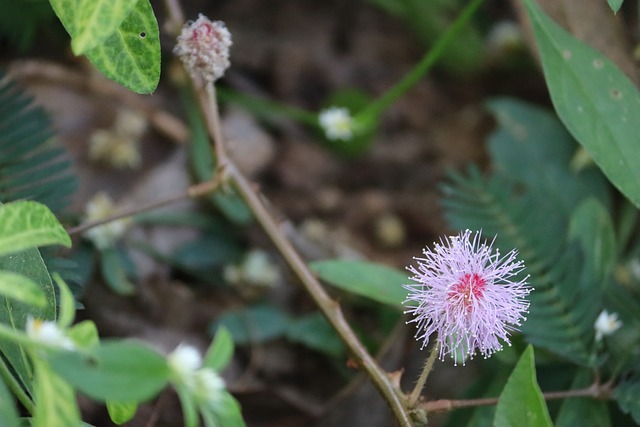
x: 594, y: 99
x: 315, y: 332
x: 14, y: 314
x: 27, y: 224
x: 220, y: 351
x: 254, y: 324
x: 120, y: 371
x: 114, y: 272
x: 209, y: 251
x: 521, y: 403
x: 8, y: 412
x: 374, y: 281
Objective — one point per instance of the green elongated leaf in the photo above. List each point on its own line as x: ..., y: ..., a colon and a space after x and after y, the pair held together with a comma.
x: 28, y: 224
x: 21, y: 288
x: 220, y: 351
x: 14, y: 314
x: 55, y: 400
x: 230, y: 204
x: 521, y: 403
x: 315, y: 332
x: 627, y: 394
x: 96, y: 21
x: 225, y: 412
x: 209, y: 251
x: 254, y: 324
x: 8, y: 412
x: 120, y: 413
x: 67, y: 304
x: 592, y: 226
x: 583, y: 411
x: 596, y: 101
x: 130, y: 55
x: 374, y: 281
x: 189, y: 408
x: 114, y: 272
x: 120, y: 371
x: 615, y: 5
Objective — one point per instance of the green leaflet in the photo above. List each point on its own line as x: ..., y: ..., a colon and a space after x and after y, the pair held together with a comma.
x: 220, y: 351
x: 254, y: 324
x: 120, y: 413
x: 128, y: 54
x: 374, y: 281
x: 627, y: 394
x: 30, y: 166
x: 96, y: 21
x: 27, y: 224
x: 521, y: 403
x: 594, y: 99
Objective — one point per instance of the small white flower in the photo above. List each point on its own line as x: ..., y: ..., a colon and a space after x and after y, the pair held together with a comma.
x: 103, y: 236
x: 185, y: 360
x: 208, y: 385
x: 606, y: 324
x: 337, y: 123
x: 48, y: 333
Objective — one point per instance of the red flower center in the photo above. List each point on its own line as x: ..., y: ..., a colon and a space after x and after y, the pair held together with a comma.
x: 470, y: 287
x: 203, y: 30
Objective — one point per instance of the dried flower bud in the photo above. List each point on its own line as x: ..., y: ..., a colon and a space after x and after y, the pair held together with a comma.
x: 203, y: 46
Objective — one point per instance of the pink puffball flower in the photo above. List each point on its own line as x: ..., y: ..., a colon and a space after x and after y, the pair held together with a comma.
x: 468, y: 295
x: 203, y: 46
